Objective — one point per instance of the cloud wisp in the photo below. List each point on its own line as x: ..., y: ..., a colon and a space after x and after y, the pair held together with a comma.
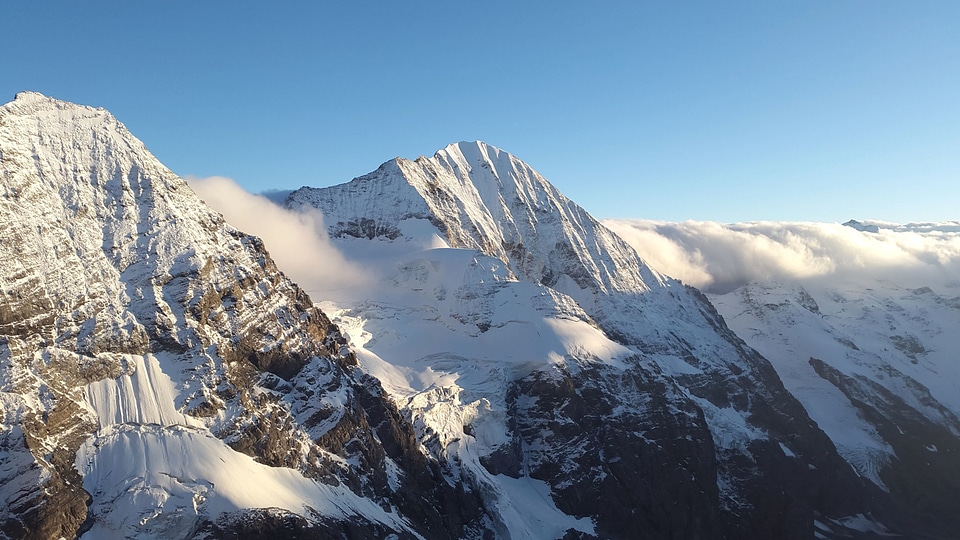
x: 719, y: 257
x: 297, y: 241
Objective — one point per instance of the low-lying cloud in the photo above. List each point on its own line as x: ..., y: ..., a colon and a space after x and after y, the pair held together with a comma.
x: 719, y: 257
x: 297, y: 241
x: 715, y: 257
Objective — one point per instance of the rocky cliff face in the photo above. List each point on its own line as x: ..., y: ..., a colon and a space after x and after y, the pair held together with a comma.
x: 640, y: 410
x: 140, y: 333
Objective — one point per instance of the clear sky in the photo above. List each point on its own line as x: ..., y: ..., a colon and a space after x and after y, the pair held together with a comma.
x: 729, y: 111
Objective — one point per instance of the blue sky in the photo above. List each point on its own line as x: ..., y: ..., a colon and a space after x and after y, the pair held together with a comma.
x: 726, y: 111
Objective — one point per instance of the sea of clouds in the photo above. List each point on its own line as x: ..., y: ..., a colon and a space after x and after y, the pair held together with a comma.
x: 719, y: 257
x: 715, y: 257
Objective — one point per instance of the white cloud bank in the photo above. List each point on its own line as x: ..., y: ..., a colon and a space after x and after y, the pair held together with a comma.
x: 297, y: 241
x: 720, y: 257
x: 715, y: 257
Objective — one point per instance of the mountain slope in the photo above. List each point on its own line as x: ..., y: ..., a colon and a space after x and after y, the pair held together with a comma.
x: 638, y: 408
x: 135, y: 322
x: 876, y: 367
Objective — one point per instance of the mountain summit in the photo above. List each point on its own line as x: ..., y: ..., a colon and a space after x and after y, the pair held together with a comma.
x: 480, y: 197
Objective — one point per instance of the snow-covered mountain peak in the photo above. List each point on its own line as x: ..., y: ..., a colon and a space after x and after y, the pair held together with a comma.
x: 480, y: 197
x: 99, y: 201
x: 41, y: 109
x: 493, y: 169
x: 30, y: 98
x: 496, y: 173
x: 862, y: 227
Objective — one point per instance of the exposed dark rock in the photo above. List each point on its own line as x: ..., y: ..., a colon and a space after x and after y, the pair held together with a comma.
x: 613, y: 447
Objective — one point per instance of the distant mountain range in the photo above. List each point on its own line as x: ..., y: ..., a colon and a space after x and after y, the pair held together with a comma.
x: 511, y: 368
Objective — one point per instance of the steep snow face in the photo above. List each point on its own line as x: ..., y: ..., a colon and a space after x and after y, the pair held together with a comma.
x: 507, y: 209
x: 146, y: 395
x: 155, y: 472
x: 524, y: 340
x: 875, y: 364
x: 132, y: 316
